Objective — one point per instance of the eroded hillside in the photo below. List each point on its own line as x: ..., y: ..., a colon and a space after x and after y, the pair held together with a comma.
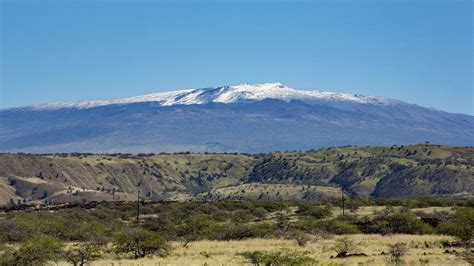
x: 413, y: 171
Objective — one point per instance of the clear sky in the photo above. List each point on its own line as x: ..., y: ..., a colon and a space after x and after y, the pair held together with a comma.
x: 416, y: 51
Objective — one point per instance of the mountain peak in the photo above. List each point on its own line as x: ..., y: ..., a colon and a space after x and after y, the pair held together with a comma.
x: 274, y: 85
x: 226, y: 94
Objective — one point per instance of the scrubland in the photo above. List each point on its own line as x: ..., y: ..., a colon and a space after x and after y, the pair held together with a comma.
x: 369, y: 232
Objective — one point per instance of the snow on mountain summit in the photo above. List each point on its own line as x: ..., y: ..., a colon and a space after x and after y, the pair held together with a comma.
x: 225, y: 94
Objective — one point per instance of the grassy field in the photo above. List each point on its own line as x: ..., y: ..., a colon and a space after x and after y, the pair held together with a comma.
x: 258, y: 232
x: 423, y: 250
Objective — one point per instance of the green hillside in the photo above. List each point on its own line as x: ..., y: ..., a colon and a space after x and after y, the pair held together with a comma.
x: 383, y: 172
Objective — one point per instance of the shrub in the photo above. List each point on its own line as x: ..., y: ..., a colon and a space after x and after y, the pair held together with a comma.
x: 242, y: 216
x: 12, y: 231
x: 260, y: 213
x: 467, y: 255
x: 394, y: 222
x: 239, y: 231
x: 139, y: 242
x: 461, y: 225
x: 82, y: 253
x: 313, y: 211
x: 397, y: 251
x: 277, y: 258
x: 198, y: 228
x: 353, y: 204
x: 68, y: 225
x: 36, y: 251
x: 333, y: 226
x: 6, y: 256
x: 300, y: 237
x: 340, y: 228
x: 344, y: 246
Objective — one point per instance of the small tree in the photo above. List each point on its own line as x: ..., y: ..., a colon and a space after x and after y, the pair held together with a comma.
x: 344, y: 246
x: 82, y: 253
x: 301, y: 238
x: 197, y: 228
x: 397, y: 251
x: 139, y: 242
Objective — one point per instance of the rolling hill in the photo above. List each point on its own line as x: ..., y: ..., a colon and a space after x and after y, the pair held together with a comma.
x: 381, y: 172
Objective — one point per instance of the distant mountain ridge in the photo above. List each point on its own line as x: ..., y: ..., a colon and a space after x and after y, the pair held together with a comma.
x: 243, y: 118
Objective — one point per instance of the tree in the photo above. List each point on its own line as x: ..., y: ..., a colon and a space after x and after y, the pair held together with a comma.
x: 82, y: 253
x: 197, y: 228
x: 139, y: 242
x: 397, y: 251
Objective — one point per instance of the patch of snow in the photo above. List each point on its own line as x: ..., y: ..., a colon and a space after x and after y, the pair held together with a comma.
x: 226, y: 94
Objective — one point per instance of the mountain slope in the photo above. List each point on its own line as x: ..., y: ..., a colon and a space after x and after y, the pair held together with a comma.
x: 226, y: 94
x: 382, y: 172
x: 257, y: 118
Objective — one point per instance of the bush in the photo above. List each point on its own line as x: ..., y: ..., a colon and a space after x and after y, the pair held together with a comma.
x: 394, y: 222
x: 340, y: 228
x: 82, y: 253
x: 333, y: 226
x: 239, y: 231
x: 461, y: 225
x: 397, y: 251
x: 344, y: 246
x: 313, y: 211
x: 242, y: 216
x: 467, y: 256
x: 277, y: 258
x: 36, y: 251
x: 139, y: 242
x: 67, y: 225
x: 6, y: 256
x: 300, y: 237
x: 198, y: 228
x: 353, y: 204
x: 260, y: 213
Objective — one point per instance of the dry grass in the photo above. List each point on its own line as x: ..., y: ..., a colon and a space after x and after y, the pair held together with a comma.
x: 361, y: 211
x: 432, y: 209
x: 423, y: 250
x: 371, y: 210
x: 276, y: 191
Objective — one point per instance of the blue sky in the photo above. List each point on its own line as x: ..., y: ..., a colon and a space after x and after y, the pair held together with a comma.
x: 416, y: 51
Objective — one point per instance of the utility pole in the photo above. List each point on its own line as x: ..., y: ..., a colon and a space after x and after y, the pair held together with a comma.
x: 138, y: 202
x: 342, y: 193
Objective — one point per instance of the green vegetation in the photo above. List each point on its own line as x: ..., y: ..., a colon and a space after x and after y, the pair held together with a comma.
x: 139, y: 242
x: 82, y: 253
x: 277, y: 258
x: 80, y: 235
x: 460, y: 225
x: 367, y: 172
x: 35, y: 251
x: 344, y: 246
x: 397, y: 251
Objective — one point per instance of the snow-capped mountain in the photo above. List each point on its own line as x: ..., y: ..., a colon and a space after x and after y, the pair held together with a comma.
x: 225, y: 94
x: 245, y: 118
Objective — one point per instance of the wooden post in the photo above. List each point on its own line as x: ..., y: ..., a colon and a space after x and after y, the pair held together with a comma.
x: 342, y: 193
x: 138, y: 203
